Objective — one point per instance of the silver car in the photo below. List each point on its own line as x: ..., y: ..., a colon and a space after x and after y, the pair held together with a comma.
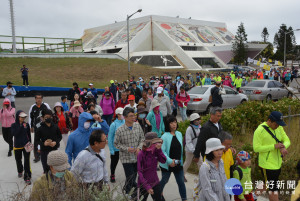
x: 200, y: 95
x: 266, y: 90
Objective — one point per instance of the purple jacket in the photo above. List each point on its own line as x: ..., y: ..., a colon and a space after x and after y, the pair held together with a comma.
x: 108, y: 106
x: 146, y: 166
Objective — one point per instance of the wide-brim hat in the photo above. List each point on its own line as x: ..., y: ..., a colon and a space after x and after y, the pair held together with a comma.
x: 213, y: 144
x: 151, y: 138
x: 194, y: 116
x: 58, y: 104
x: 154, y: 103
x: 76, y: 104
x: 58, y: 160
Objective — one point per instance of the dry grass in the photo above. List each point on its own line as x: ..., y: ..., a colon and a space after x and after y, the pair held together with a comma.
x: 62, y: 72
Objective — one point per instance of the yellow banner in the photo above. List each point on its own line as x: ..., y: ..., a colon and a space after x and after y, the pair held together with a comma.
x: 258, y: 63
x: 279, y: 63
x: 270, y: 60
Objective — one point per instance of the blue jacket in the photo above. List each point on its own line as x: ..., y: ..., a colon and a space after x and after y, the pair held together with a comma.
x: 167, y: 140
x: 207, y: 81
x: 174, y: 100
x: 94, y: 92
x: 65, y: 106
x: 79, y: 139
x: 111, y: 135
x: 152, y: 119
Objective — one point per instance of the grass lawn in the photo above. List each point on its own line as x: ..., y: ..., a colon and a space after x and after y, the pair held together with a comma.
x: 62, y: 72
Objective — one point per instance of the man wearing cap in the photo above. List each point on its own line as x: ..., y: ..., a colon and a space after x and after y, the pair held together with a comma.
x: 35, y: 120
x: 132, y: 104
x: 136, y: 92
x: 216, y: 93
x: 113, y: 90
x: 164, y: 101
x: 9, y: 92
x: 93, y: 90
x: 89, y: 166
x: 271, y: 142
x: 129, y: 140
x: 24, y: 72
x: 58, y: 183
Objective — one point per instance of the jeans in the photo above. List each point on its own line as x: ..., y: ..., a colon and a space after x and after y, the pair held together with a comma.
x: 20, y: 167
x: 114, y: 159
x: 108, y: 118
x: 25, y: 79
x: 8, y: 137
x: 179, y: 176
x: 183, y: 113
x: 130, y: 170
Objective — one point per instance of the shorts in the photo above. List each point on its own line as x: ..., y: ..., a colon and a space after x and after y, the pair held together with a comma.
x: 271, y: 178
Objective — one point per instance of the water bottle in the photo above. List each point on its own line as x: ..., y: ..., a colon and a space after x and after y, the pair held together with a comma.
x: 132, y: 156
x: 177, y: 162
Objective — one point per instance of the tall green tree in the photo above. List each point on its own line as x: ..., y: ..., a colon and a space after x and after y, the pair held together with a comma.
x: 279, y: 41
x: 265, y: 34
x: 239, y: 46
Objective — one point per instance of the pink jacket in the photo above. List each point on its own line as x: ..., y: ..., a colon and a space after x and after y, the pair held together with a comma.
x: 7, y: 116
x: 186, y: 98
x: 227, y: 83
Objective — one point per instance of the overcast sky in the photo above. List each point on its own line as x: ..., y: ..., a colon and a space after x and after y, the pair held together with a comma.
x: 69, y: 18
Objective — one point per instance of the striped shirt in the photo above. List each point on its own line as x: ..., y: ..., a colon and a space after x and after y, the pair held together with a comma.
x: 125, y: 138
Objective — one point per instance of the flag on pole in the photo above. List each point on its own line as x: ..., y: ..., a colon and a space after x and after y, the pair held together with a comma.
x: 279, y: 63
x: 258, y: 63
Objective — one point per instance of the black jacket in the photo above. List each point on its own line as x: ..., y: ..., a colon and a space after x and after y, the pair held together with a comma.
x: 20, y: 132
x: 217, y: 99
x: 35, y: 113
x: 72, y: 92
x: 44, y: 132
x: 208, y: 130
x: 137, y: 93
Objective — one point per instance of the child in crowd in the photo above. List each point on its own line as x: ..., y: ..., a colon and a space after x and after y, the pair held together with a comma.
x: 64, y: 103
x: 243, y: 173
x: 147, y: 160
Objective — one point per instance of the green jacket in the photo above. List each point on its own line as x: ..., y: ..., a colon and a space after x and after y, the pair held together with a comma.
x: 263, y: 143
x: 245, y: 181
x: 232, y: 75
x: 238, y: 82
x: 43, y: 188
x: 152, y: 119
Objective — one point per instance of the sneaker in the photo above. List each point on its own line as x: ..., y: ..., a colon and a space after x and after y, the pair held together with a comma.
x: 28, y: 181
x: 36, y: 160
x: 20, y: 175
x: 9, y: 154
x: 185, y: 179
x: 112, y: 178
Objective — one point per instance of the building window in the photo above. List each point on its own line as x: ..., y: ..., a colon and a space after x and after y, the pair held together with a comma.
x: 206, y: 62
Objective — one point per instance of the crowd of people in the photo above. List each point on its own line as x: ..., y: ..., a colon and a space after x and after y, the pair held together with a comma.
x: 138, y: 122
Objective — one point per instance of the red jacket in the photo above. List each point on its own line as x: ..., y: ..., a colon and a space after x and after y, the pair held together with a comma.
x: 185, y: 99
x: 120, y: 104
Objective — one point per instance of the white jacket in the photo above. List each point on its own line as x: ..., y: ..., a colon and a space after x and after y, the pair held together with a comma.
x: 190, y: 139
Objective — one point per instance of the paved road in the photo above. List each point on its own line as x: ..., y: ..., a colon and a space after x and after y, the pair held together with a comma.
x: 9, y: 182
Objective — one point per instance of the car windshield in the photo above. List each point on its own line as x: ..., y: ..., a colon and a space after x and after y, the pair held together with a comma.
x: 198, y: 90
x: 256, y: 84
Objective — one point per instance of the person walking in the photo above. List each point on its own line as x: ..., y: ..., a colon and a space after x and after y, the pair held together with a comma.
x: 24, y: 73
x: 34, y: 120
x: 211, y: 129
x: 191, y: 135
x: 147, y: 160
x: 48, y: 136
x: 122, y: 102
x: 132, y: 104
x: 7, y: 118
x: 155, y: 119
x: 62, y: 120
x: 182, y: 98
x: 89, y: 166
x: 9, y: 92
x: 164, y: 101
x: 74, y: 114
x: 172, y: 148
x: 216, y: 94
x: 136, y: 92
x: 64, y: 104
x: 93, y: 91
x: 145, y: 99
x: 129, y: 140
x: 74, y: 90
x: 58, y: 183
x: 212, y: 176
x: 107, y: 104
x: 79, y: 139
x: 271, y: 142
x: 20, y: 131
x: 114, y: 152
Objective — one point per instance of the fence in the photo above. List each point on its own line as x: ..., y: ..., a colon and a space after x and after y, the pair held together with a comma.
x: 26, y: 44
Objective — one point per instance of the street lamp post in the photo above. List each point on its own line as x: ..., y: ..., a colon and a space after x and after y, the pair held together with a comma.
x: 128, y: 56
x: 284, y: 51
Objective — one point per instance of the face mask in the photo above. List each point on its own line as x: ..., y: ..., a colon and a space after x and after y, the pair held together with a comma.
x: 142, y: 116
x: 59, y: 174
x: 87, y: 125
x: 48, y: 120
x: 151, y: 148
x: 156, y: 108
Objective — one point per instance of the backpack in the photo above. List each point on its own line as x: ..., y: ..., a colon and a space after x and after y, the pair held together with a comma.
x: 237, y: 168
x: 195, y: 136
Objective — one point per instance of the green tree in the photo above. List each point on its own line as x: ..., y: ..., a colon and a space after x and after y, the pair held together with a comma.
x: 265, y: 34
x: 279, y: 41
x: 239, y: 46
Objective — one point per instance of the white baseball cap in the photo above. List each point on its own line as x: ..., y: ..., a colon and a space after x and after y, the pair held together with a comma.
x: 159, y: 90
x: 90, y: 84
x: 22, y: 114
x: 119, y: 110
